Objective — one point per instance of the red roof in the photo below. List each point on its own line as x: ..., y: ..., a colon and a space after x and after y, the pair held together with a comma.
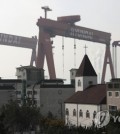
x: 95, y: 94
x: 86, y: 68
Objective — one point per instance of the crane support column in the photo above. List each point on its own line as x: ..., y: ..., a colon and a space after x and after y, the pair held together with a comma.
x: 41, y: 51
x: 107, y: 60
x: 45, y: 49
x: 49, y: 56
x: 33, y: 57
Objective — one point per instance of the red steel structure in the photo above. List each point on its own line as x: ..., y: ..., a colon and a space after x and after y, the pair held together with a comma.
x: 65, y: 26
x: 18, y: 41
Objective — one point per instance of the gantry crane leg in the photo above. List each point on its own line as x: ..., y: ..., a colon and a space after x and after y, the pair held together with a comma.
x: 45, y: 49
x: 49, y: 56
x: 107, y: 60
x: 33, y: 57
x: 41, y: 53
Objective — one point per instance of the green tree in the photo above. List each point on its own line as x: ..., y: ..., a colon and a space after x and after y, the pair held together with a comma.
x: 20, y: 118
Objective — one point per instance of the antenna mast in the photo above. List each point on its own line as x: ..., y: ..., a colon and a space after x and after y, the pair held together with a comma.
x: 46, y: 9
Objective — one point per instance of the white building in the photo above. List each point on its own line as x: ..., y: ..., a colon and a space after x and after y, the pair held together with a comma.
x: 47, y: 94
x: 113, y: 94
x: 30, y: 73
x: 89, y: 98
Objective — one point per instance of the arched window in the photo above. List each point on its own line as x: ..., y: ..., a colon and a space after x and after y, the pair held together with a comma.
x: 80, y: 113
x: 79, y: 83
x: 67, y: 111
x: 74, y: 112
x: 94, y: 114
x: 87, y: 114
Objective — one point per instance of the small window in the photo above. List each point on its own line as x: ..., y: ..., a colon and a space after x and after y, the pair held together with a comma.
x: 34, y: 92
x: 109, y: 94
x: 67, y: 111
x: 80, y: 113
x: 116, y: 85
x: 94, y: 114
x: 116, y: 94
x: 87, y: 114
x: 29, y: 92
x: 112, y: 108
x: 18, y: 92
x: 110, y: 85
x: 74, y: 112
x: 79, y: 83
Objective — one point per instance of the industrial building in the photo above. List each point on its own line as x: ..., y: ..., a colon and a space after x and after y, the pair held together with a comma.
x: 113, y: 94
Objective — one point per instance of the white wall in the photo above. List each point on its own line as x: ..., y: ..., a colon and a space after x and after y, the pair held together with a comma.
x: 87, y: 79
x: 84, y: 82
x: 78, y: 88
x: 83, y: 121
x: 21, y: 74
x: 73, y: 73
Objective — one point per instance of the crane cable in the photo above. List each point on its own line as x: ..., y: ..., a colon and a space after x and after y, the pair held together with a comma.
x: 113, y: 58
x: 116, y: 61
x: 63, y: 54
x: 74, y: 53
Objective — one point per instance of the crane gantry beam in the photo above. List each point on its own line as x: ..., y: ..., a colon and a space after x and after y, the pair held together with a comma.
x: 72, y: 31
x: 19, y: 41
x: 64, y: 26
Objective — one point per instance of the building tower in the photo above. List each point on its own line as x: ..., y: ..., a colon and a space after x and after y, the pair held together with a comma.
x: 72, y: 75
x: 85, y: 75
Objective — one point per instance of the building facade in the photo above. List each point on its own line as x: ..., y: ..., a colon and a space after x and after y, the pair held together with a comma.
x: 113, y: 94
x: 30, y: 73
x: 49, y: 95
x: 8, y: 89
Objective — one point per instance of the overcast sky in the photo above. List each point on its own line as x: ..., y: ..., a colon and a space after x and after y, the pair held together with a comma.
x: 19, y: 17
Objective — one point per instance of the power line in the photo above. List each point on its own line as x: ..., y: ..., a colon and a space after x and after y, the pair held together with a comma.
x: 74, y: 53
x: 63, y: 54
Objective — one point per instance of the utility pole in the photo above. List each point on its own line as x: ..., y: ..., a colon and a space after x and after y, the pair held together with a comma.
x: 77, y: 115
x: 46, y: 9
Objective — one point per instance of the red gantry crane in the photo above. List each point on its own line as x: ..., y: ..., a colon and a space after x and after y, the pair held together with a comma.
x: 65, y: 26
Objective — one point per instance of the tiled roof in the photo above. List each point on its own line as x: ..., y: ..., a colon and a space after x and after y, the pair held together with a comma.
x: 86, y: 68
x: 92, y: 95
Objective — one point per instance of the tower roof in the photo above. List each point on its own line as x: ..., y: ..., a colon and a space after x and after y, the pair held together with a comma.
x: 86, y: 68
